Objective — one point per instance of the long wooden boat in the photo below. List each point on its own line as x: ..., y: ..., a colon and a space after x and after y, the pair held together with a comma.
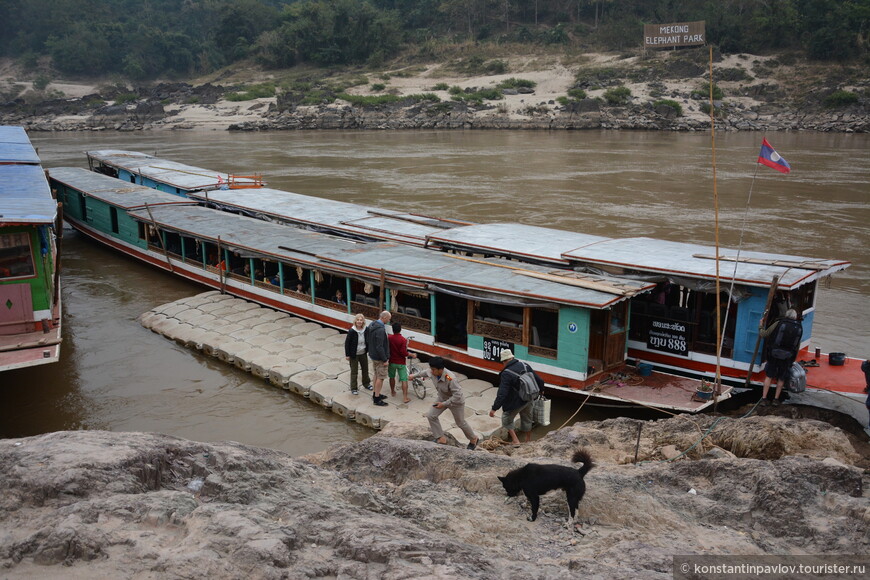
x: 463, y: 308
x: 30, y: 226
x: 673, y: 327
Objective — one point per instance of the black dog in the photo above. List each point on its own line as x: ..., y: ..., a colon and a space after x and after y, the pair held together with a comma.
x: 534, y: 480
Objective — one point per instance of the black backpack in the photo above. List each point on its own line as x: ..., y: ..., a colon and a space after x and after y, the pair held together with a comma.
x: 786, y: 339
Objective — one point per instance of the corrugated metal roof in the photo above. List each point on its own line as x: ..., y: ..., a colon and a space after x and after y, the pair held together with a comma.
x: 179, y: 175
x: 522, y: 241
x: 329, y: 215
x: 682, y: 259
x: 401, y: 262
x: 25, y: 196
x: 15, y: 146
x: 115, y: 191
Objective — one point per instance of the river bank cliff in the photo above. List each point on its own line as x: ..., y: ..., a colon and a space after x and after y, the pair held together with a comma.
x: 138, y: 505
x: 656, y: 91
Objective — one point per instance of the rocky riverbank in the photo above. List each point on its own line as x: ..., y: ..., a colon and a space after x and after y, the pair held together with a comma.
x: 666, y: 91
x: 135, y: 505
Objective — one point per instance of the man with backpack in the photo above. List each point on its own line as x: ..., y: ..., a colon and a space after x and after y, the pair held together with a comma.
x: 518, y: 388
x: 784, y: 342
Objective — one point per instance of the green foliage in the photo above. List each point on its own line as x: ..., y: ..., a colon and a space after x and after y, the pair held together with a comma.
x: 378, y: 87
x: 376, y: 100
x: 260, y: 91
x: 617, y: 95
x: 124, y: 98
x: 455, y: 90
x: 577, y: 94
x: 41, y: 82
x: 161, y: 38
x: 513, y: 83
x: 840, y: 99
x: 703, y: 92
x: 478, y: 96
x: 440, y: 87
x: 670, y: 103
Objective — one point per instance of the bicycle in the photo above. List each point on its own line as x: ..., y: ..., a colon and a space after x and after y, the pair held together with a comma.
x: 417, y: 383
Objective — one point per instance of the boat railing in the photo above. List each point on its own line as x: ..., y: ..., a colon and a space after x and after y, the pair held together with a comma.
x: 331, y: 304
x: 495, y: 330
x: 543, y: 351
x: 304, y: 296
x: 245, y: 181
x: 410, y: 322
x: 371, y: 312
x: 267, y: 286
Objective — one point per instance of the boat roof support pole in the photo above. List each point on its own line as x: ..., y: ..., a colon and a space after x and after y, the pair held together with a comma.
x: 717, y: 390
x: 160, y: 237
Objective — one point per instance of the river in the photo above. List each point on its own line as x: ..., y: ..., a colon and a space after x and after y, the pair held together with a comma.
x: 117, y: 376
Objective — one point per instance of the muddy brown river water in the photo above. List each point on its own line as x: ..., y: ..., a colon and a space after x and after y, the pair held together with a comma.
x: 115, y: 375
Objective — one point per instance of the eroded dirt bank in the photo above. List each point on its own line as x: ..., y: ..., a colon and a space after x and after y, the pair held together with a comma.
x: 138, y: 505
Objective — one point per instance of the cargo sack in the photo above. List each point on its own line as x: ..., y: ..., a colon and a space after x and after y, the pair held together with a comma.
x: 796, y: 382
x: 541, y: 411
x: 527, y: 386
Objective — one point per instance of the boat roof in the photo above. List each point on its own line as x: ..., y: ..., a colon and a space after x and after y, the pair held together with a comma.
x: 112, y: 190
x: 343, y: 218
x: 15, y: 146
x: 178, y: 175
x: 633, y: 255
x: 404, y: 264
x: 698, y: 261
x: 24, y: 193
x: 520, y: 241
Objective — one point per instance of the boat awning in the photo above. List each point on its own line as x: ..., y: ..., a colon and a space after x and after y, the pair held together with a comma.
x: 15, y: 146
x: 327, y: 215
x: 113, y: 191
x: 523, y: 242
x: 177, y: 175
x: 25, y: 196
x: 630, y: 255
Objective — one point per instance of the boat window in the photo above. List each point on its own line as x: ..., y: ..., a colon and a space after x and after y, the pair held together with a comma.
x: 297, y: 281
x: 413, y: 310
x: 329, y: 291
x: 498, y: 321
x: 113, y: 216
x: 544, y: 334
x: 173, y: 243
x: 688, y: 314
x: 365, y: 298
x: 16, y: 259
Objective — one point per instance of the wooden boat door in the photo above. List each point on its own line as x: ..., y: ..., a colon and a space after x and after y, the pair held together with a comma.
x: 607, y: 337
x: 16, y: 309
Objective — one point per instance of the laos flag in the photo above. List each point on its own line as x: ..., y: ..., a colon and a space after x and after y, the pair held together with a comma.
x: 771, y: 158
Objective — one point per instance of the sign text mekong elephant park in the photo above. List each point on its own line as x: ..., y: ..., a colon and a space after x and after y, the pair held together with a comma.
x: 670, y: 35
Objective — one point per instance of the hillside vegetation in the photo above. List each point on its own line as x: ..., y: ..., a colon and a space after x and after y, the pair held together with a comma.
x: 188, y: 38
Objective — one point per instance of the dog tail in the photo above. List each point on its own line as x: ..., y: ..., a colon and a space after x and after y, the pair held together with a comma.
x: 583, y: 455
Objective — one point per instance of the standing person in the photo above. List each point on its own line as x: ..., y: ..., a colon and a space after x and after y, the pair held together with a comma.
x: 398, y: 355
x: 379, y: 351
x: 449, y: 397
x: 784, y: 342
x: 355, y: 353
x: 508, y: 397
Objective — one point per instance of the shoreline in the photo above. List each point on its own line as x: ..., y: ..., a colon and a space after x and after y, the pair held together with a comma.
x: 759, y: 93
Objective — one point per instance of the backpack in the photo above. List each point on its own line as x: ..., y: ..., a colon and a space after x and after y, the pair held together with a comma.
x: 786, y: 339
x: 527, y: 386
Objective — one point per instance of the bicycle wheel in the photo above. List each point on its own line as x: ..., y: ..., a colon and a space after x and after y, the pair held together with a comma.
x: 418, y: 383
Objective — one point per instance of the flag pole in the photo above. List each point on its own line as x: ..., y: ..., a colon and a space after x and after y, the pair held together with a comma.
x: 717, y: 390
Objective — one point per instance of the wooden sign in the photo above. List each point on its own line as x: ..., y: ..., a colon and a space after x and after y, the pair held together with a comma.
x: 670, y: 35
